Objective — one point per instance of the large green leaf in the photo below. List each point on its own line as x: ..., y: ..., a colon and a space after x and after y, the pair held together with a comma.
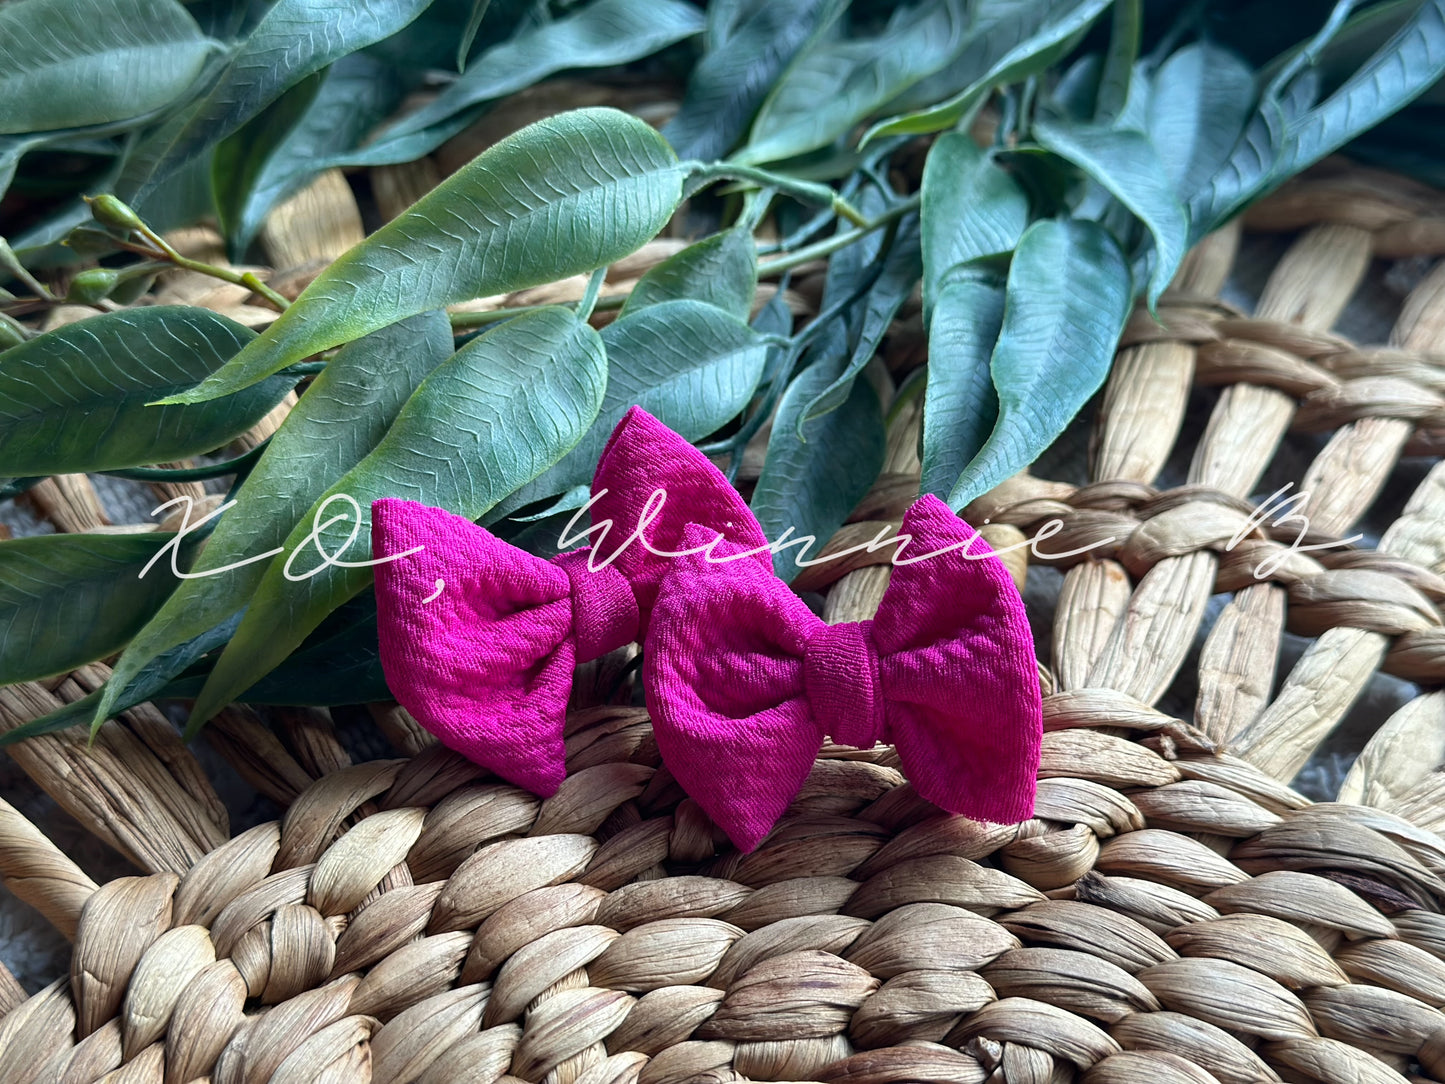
x: 732, y: 79
x: 600, y: 35
x: 343, y: 415
x: 68, y: 63
x: 961, y: 405
x: 1279, y: 141
x: 75, y: 398
x: 1193, y: 123
x: 69, y: 599
x: 278, y: 152
x: 721, y: 270
x: 810, y: 484
x: 498, y: 413
x: 690, y: 364
x: 837, y: 83
x: 1125, y: 164
x: 294, y: 39
x: 971, y: 208
x: 1068, y: 296
x: 562, y: 196
x: 1011, y: 42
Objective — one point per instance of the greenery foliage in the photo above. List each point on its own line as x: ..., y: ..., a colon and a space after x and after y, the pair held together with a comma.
x: 1035, y: 168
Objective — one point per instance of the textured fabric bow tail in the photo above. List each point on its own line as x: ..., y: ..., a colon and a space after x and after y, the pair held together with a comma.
x: 744, y: 681
x: 479, y: 639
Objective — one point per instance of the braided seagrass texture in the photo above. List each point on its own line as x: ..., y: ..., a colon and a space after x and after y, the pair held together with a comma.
x: 1174, y: 913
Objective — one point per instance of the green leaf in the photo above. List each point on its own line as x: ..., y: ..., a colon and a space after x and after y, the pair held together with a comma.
x: 1279, y: 141
x: 1196, y: 120
x: 972, y: 208
x: 240, y: 158
x: 498, y: 413
x: 336, y: 665
x: 469, y: 35
x: 1119, y: 61
x: 294, y: 39
x: 565, y: 195
x: 69, y: 599
x: 809, y: 485
x: 280, y: 151
x: 961, y: 406
x: 689, y: 364
x: 1126, y: 164
x: 1068, y: 297
x: 1018, y: 41
x: 74, y: 399
x: 836, y: 84
x: 1353, y: 44
x: 725, y: 18
x: 603, y: 34
x: 868, y: 321
x: 1408, y: 64
x: 331, y: 667
x: 90, y: 140
x: 69, y: 63
x: 732, y: 79
x: 721, y: 270
x: 154, y: 681
x: 343, y: 415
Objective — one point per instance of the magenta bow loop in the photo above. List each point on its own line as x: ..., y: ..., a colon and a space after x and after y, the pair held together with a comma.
x: 479, y: 639
x: 745, y: 682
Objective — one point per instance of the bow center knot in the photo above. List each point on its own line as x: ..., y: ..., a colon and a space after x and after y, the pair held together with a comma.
x: 604, y: 609
x: 840, y: 673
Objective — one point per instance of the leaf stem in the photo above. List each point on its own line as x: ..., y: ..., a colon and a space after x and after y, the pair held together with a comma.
x: 806, y: 191
x: 589, y: 296
x: 829, y: 245
x: 1026, y: 107
x: 115, y: 214
x: 225, y: 274
x: 1309, y: 52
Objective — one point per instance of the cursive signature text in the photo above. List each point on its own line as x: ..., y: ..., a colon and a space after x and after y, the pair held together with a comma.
x: 312, y: 538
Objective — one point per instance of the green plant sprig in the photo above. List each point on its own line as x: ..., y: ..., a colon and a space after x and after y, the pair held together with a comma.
x: 116, y: 215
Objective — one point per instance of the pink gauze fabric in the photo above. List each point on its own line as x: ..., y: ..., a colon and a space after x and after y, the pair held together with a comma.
x: 743, y: 681
x: 487, y: 664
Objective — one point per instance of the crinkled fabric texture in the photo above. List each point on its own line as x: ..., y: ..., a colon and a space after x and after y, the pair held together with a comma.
x: 486, y: 665
x: 744, y: 681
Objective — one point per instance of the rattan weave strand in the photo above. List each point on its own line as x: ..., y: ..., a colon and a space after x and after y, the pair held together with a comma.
x: 1174, y: 913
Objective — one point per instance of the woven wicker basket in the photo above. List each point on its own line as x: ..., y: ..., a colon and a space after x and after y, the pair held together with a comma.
x: 1175, y: 913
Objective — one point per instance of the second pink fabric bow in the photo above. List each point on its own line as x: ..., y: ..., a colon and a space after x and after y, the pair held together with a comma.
x: 744, y: 681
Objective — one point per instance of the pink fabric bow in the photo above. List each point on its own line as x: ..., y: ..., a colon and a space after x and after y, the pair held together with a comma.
x: 744, y: 681
x: 486, y: 665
